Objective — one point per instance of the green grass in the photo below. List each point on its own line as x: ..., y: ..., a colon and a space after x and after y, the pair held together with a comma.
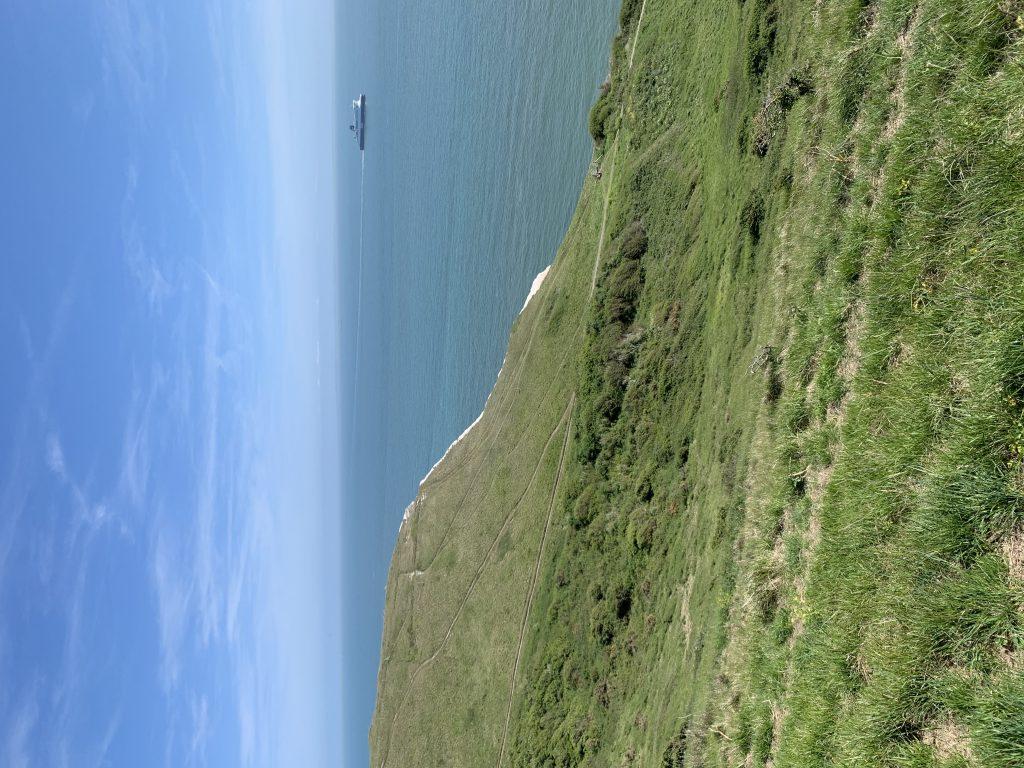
x: 786, y: 525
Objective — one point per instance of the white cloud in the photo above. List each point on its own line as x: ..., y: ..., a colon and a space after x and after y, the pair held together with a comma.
x: 133, y: 481
x: 55, y: 457
x: 113, y: 726
x: 41, y: 360
x: 237, y: 581
x: 173, y: 598
x: 200, y: 729
x: 143, y: 268
x: 87, y: 512
x: 134, y: 48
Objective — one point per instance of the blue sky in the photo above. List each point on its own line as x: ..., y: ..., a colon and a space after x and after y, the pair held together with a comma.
x: 169, y: 541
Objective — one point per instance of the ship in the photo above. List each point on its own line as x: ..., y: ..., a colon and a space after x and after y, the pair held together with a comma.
x: 358, y: 126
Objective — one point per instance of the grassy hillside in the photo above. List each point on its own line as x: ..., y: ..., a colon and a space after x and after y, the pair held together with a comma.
x: 749, y: 489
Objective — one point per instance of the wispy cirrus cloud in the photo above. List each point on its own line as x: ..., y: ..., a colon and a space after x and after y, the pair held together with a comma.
x: 109, y: 734
x: 200, y: 729
x: 40, y: 358
x: 173, y: 596
x: 89, y: 513
x: 207, y: 560
x: 136, y: 440
x: 134, y: 48
x: 37, y: 459
x: 55, y: 457
x: 140, y: 264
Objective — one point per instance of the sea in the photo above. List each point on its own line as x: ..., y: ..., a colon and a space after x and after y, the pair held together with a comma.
x: 476, y: 151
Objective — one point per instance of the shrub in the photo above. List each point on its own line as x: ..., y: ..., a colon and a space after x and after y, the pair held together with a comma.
x: 629, y: 13
x: 585, y: 509
x: 599, y: 114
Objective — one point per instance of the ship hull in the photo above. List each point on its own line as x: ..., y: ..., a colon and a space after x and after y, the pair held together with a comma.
x: 359, y: 108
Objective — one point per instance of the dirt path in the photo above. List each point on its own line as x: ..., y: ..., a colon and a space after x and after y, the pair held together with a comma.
x: 502, y: 421
x: 535, y: 579
x: 479, y: 573
x: 612, y: 154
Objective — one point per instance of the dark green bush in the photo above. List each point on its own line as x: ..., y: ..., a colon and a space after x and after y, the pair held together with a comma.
x: 629, y: 14
x: 599, y: 114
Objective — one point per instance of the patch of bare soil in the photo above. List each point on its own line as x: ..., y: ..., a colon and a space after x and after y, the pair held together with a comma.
x: 949, y: 741
x: 1013, y: 551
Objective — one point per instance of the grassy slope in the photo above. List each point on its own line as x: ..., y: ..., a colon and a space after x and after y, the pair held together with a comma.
x: 465, y: 561
x: 779, y: 442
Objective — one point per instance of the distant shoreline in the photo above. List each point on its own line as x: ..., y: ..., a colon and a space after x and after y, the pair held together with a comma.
x: 535, y: 287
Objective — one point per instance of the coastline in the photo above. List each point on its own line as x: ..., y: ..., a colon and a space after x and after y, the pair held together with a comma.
x: 535, y: 287
x: 538, y: 281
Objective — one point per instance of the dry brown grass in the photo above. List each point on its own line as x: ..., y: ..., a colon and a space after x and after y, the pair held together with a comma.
x: 1013, y: 551
x: 949, y: 740
x: 905, y: 45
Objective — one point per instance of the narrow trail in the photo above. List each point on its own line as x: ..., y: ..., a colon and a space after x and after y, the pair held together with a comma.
x: 604, y: 215
x: 636, y: 36
x: 613, y: 154
x: 479, y: 573
x: 503, y: 420
x: 533, y: 583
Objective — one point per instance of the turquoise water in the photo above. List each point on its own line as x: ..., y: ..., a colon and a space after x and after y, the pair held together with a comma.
x: 476, y: 149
